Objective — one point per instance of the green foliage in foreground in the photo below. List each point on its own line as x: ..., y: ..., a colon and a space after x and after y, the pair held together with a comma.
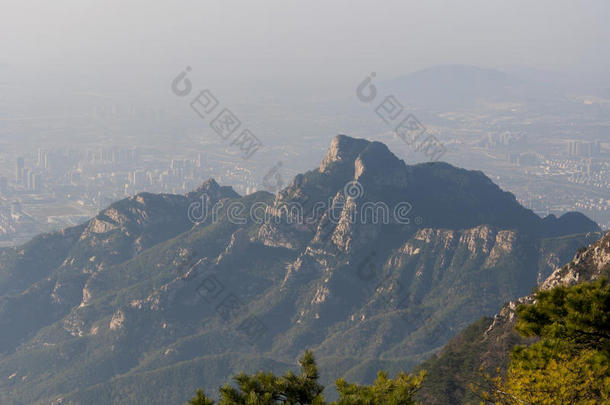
x: 268, y: 389
x: 570, y: 363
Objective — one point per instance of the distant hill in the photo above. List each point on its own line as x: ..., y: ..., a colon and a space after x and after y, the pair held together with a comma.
x: 368, y: 261
x: 461, y: 86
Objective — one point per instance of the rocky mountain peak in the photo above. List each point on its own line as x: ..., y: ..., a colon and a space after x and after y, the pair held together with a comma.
x: 380, y: 166
x: 588, y: 264
x: 343, y: 148
x: 369, y: 161
x: 212, y: 189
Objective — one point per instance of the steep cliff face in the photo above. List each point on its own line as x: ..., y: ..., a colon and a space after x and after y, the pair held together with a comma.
x: 488, y: 342
x: 343, y: 149
x: 368, y: 261
x: 587, y: 265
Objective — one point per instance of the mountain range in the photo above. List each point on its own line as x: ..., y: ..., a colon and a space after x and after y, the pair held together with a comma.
x: 370, y: 262
x: 462, y: 86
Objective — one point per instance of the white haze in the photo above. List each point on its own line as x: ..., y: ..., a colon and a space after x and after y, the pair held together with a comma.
x: 135, y: 47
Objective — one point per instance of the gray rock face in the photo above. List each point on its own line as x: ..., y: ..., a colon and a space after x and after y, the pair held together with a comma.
x: 587, y: 265
x: 342, y: 149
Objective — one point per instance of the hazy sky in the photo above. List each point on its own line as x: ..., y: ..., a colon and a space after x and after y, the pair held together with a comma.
x: 306, y: 42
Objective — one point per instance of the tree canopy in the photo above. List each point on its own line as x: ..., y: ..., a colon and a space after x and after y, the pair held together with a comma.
x: 304, y: 389
x: 569, y: 363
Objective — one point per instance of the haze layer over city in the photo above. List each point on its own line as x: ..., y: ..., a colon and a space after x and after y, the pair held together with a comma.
x: 88, y: 115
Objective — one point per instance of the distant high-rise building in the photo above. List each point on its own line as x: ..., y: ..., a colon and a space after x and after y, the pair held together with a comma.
x: 138, y: 178
x: 35, y: 185
x: 43, y: 159
x: 19, y: 167
x: 596, y: 148
x: 151, y: 178
x: 584, y: 148
x: 177, y: 164
x: 29, y: 179
x: 3, y: 185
